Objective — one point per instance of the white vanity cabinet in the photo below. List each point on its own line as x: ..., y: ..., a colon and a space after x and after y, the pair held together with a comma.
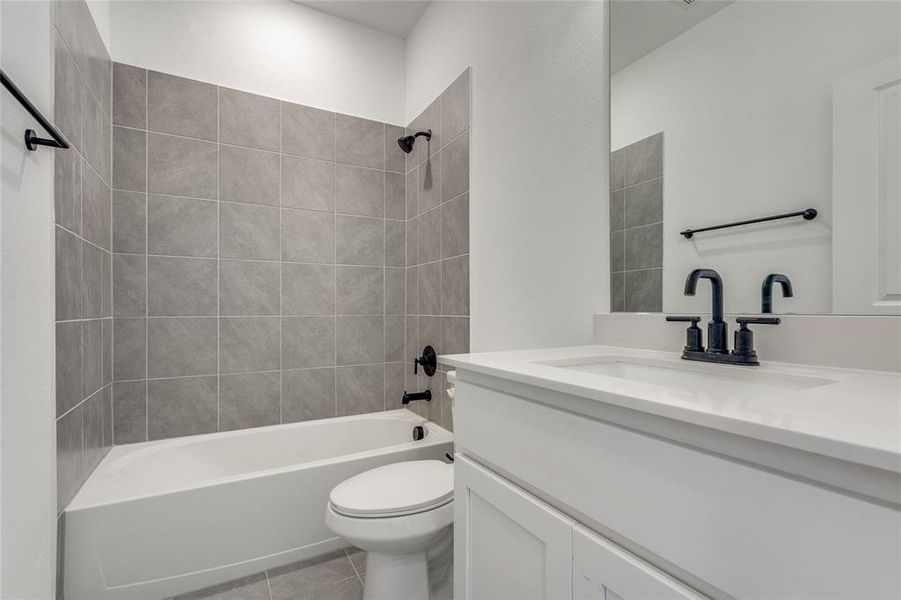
x: 511, y: 545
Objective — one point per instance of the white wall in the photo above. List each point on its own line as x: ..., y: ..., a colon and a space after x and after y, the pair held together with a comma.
x: 100, y: 12
x: 539, y: 201
x: 745, y: 103
x: 276, y: 48
x: 27, y: 407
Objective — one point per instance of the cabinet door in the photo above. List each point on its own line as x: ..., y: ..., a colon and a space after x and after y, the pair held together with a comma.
x: 604, y: 571
x: 508, y: 544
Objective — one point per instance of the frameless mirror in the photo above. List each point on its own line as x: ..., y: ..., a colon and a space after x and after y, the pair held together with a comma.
x: 730, y: 111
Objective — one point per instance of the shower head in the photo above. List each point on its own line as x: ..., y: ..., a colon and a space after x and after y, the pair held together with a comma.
x: 406, y: 142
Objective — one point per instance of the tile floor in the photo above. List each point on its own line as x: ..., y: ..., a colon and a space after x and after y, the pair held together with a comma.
x: 335, y: 576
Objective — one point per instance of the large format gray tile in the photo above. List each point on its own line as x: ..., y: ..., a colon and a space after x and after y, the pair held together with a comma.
x: 129, y: 285
x: 411, y: 192
x: 129, y: 348
x: 455, y: 335
x: 181, y: 106
x: 248, y: 288
x: 68, y: 366
x: 644, y: 203
x: 92, y: 415
x: 618, y: 169
x: 96, y: 130
x: 360, y: 241
x: 181, y: 346
x: 247, y: 175
x: 430, y: 236
x: 412, y: 291
x: 107, y: 333
x: 617, y: 251
x: 67, y: 269
x: 360, y: 389
x: 395, y: 290
x: 182, y: 167
x: 68, y: 94
x: 129, y: 412
x: 428, y: 119
x: 129, y: 222
x: 455, y: 107
x: 183, y: 406
x: 361, y: 340
x: 308, y: 342
x: 455, y: 227
x: 429, y: 182
x: 430, y: 331
x: 394, y: 393
x: 308, y: 132
x: 360, y: 191
x: 76, y: 26
x: 361, y: 290
x: 248, y: 231
x: 644, y: 159
x: 129, y: 96
x: 96, y: 201
x: 413, y: 242
x: 69, y: 456
x: 253, y: 587
x: 129, y: 159
x: 249, y: 344
x: 359, y: 142
x: 617, y: 292
x: 181, y: 226
x: 91, y: 357
x: 617, y: 210
x: 308, y: 578
x: 644, y: 247
x: 395, y: 196
x: 249, y: 120
x: 308, y: 236
x: 249, y: 400
x: 455, y: 168
x: 181, y: 287
x: 308, y: 184
x: 106, y: 285
x: 394, y: 338
x: 308, y: 394
x: 395, y: 159
x: 67, y: 190
x: 430, y: 289
x: 308, y: 289
x: 411, y: 337
x: 455, y: 286
x: 395, y: 243
x: 644, y: 290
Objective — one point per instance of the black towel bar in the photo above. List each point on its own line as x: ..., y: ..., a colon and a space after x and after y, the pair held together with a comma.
x: 32, y: 141
x: 808, y: 213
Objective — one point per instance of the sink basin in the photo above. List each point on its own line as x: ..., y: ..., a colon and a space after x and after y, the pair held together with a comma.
x: 694, y: 377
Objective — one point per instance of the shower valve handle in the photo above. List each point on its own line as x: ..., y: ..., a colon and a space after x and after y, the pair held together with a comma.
x: 428, y: 361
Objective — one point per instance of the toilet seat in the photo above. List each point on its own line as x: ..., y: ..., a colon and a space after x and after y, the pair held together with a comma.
x: 395, y: 490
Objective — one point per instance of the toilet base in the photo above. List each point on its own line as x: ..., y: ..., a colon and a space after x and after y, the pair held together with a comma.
x: 390, y: 577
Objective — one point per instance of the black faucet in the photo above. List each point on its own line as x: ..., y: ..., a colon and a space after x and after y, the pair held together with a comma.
x: 766, y: 294
x: 717, y: 329
x: 407, y: 397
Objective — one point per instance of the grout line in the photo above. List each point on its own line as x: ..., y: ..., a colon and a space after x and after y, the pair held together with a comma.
x: 146, y: 261
x: 219, y: 265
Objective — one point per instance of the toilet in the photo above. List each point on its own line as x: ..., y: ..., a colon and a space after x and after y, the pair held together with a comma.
x: 402, y: 514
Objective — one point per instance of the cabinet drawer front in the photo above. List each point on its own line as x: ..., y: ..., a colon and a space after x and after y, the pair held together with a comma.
x: 604, y: 571
x: 508, y: 545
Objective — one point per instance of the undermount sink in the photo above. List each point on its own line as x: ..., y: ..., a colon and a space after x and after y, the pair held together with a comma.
x: 731, y: 380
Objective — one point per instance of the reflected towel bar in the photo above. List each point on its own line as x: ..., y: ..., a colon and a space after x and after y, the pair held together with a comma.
x: 32, y: 141
x: 809, y: 214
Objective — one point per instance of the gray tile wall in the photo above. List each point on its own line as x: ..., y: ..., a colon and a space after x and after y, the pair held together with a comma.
x: 636, y: 226
x: 437, y: 249
x: 82, y: 197
x: 259, y: 259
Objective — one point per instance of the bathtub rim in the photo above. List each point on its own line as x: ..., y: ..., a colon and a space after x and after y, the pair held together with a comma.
x: 436, y: 435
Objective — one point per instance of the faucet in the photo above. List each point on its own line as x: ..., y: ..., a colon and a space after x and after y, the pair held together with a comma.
x: 717, y: 329
x: 766, y: 295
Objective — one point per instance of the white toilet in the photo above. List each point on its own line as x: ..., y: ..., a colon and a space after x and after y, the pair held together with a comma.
x: 402, y: 514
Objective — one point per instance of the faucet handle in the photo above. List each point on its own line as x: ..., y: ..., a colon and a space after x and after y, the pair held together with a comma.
x: 693, y: 335
x: 744, y: 337
x: 744, y: 321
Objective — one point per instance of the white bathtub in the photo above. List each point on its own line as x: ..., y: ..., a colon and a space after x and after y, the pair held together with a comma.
x: 166, y: 517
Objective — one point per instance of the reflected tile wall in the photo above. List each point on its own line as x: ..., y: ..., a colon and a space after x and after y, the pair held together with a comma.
x: 636, y: 226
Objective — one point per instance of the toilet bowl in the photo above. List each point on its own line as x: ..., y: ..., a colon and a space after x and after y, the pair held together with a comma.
x: 402, y: 515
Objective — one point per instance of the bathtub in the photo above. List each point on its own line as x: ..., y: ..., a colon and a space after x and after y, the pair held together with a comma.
x: 166, y: 517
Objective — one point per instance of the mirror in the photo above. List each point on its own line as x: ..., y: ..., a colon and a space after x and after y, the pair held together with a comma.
x: 729, y: 111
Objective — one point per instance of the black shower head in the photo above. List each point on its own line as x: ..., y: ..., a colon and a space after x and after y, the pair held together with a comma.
x: 406, y: 142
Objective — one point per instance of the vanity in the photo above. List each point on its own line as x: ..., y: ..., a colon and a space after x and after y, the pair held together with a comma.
x: 611, y: 472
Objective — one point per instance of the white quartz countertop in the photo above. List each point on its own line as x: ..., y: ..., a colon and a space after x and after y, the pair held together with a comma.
x: 849, y: 414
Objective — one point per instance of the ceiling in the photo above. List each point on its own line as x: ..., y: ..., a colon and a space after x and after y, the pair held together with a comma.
x: 397, y: 17
x: 640, y: 26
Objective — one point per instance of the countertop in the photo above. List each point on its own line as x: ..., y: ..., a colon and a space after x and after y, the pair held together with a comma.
x: 848, y: 414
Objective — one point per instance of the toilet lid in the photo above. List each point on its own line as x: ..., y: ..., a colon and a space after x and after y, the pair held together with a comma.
x: 397, y: 489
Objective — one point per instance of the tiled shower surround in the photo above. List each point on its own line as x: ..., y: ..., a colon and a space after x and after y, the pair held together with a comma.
x: 636, y: 226
x: 259, y: 259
